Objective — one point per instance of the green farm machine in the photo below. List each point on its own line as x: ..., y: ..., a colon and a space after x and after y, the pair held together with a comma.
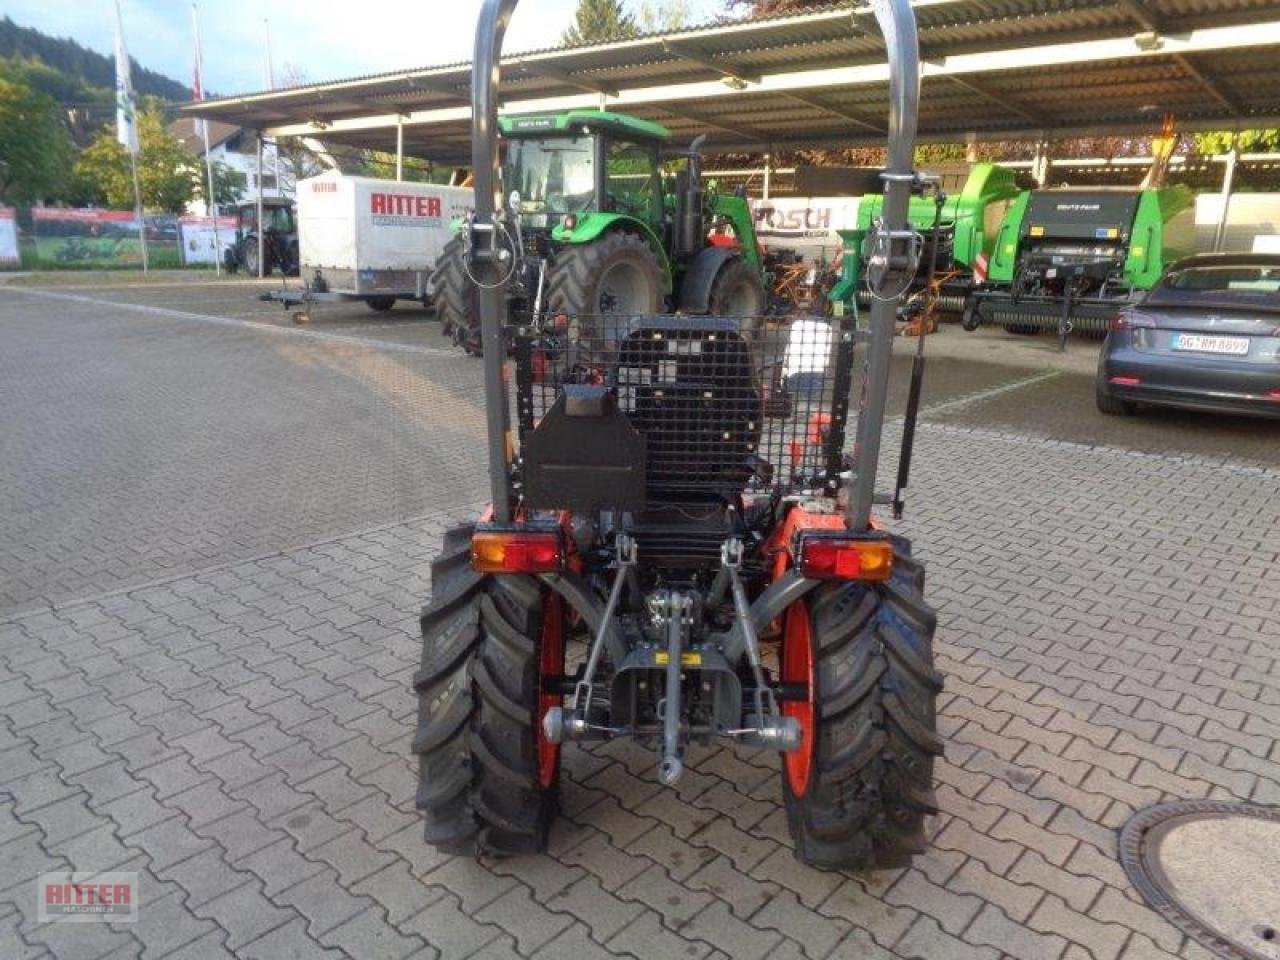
x: 964, y: 235
x: 596, y: 226
x: 1068, y: 258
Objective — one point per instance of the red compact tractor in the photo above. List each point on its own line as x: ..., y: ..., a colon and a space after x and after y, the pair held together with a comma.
x: 680, y: 547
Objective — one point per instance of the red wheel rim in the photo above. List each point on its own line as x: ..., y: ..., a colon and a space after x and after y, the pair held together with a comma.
x: 550, y: 668
x: 797, y: 669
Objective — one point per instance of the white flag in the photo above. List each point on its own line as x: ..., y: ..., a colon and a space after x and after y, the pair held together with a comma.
x: 126, y: 108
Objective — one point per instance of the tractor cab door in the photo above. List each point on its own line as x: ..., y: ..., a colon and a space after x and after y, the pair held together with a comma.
x: 633, y: 181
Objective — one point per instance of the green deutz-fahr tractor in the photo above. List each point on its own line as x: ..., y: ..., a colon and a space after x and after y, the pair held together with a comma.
x: 596, y: 227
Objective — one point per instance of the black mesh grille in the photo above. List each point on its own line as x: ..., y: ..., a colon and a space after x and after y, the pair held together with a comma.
x: 724, y: 404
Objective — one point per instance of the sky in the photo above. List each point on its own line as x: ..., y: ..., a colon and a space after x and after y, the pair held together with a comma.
x: 314, y: 39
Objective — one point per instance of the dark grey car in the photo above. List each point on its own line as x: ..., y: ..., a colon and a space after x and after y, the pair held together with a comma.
x: 1207, y: 337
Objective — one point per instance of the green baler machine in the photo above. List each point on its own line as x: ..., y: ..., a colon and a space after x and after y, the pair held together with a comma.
x: 1069, y: 258
x: 967, y: 230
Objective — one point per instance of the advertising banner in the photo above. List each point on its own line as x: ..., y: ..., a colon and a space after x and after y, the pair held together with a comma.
x: 8, y: 239
x: 91, y: 239
x: 201, y: 244
x: 807, y: 225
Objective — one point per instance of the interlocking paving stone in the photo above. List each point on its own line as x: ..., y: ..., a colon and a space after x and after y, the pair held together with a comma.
x: 234, y: 721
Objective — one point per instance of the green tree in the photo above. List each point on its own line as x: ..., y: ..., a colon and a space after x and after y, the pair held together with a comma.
x: 229, y: 185
x: 600, y: 21
x: 167, y: 174
x: 35, y: 149
x: 382, y: 164
x: 1251, y: 141
x: 654, y: 16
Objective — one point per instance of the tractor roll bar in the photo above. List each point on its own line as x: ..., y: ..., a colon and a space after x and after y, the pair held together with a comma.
x: 495, y: 15
x: 898, y: 25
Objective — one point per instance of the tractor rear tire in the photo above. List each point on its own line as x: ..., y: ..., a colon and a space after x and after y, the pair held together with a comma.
x: 250, y: 257
x: 456, y: 300
x: 488, y: 780
x: 616, y: 275
x: 858, y: 797
x: 737, y: 291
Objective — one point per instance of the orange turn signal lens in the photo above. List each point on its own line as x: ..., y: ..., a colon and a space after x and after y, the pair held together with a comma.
x: 845, y: 558
x: 516, y: 551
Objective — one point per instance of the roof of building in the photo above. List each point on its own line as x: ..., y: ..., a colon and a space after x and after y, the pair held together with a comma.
x: 992, y: 69
x: 189, y: 133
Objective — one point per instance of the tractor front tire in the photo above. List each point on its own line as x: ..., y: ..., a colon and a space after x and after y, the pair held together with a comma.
x: 615, y: 275
x: 488, y: 780
x: 381, y: 304
x: 737, y: 291
x: 858, y: 791
x: 455, y: 298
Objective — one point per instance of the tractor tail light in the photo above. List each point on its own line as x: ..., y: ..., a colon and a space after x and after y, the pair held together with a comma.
x: 517, y: 551
x: 843, y: 557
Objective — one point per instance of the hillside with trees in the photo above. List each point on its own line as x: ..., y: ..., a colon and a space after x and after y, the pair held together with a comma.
x: 74, y: 62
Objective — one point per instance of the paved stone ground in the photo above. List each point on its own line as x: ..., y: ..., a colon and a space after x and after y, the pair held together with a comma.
x: 237, y: 732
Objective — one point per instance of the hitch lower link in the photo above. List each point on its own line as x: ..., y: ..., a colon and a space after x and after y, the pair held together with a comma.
x: 674, y: 612
x: 768, y: 727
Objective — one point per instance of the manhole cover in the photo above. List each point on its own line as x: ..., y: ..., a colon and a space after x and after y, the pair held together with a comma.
x: 1212, y: 870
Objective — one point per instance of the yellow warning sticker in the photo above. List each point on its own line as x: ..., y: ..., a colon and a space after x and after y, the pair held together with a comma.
x: 1113, y: 233
x: 1037, y: 231
x: 687, y: 659
x: 1137, y: 251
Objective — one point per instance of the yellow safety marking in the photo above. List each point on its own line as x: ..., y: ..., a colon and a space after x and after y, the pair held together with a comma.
x: 687, y: 659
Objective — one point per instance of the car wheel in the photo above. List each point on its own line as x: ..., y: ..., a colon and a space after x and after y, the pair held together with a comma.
x: 1112, y: 405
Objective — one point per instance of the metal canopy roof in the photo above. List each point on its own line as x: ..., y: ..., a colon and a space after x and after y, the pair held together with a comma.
x: 992, y: 69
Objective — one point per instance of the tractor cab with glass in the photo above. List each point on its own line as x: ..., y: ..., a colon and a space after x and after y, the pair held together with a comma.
x: 593, y: 225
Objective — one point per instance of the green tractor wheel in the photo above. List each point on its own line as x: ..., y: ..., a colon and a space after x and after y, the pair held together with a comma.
x: 617, y: 275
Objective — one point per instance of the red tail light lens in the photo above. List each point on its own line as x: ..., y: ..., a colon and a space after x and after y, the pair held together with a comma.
x: 1131, y: 320
x: 1125, y: 381
x: 1273, y: 395
x: 517, y: 551
x: 844, y: 557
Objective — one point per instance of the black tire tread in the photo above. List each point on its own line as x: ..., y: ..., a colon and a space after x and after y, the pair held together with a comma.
x: 871, y: 785
x: 477, y: 685
x: 1110, y: 404
x: 574, y: 270
x: 454, y: 297
x: 735, y: 273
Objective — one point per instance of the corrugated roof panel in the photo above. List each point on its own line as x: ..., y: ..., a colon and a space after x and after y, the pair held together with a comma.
x: 1125, y: 90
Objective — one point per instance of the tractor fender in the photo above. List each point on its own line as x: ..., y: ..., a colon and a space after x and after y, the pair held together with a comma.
x: 695, y: 289
x: 591, y: 226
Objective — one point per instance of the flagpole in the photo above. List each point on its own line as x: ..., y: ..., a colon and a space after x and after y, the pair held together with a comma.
x: 137, y: 206
x: 269, y: 68
x: 127, y: 128
x: 198, y: 93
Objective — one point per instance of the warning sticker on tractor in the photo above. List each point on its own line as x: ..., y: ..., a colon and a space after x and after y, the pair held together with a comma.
x: 687, y: 659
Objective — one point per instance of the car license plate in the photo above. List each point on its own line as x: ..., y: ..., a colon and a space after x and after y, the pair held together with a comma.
x: 1200, y: 343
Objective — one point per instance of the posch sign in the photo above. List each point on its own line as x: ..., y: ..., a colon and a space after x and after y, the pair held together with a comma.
x: 87, y: 897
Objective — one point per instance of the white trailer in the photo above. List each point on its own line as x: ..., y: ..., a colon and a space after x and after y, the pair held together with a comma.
x: 372, y: 240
